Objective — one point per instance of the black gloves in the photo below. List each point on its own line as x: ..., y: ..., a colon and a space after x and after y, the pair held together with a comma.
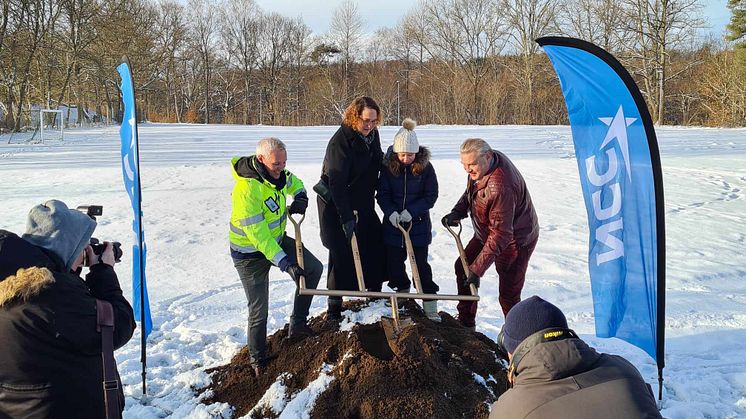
x: 472, y: 279
x: 295, y: 272
x: 451, y: 219
x: 293, y: 269
x: 299, y: 205
x: 349, y: 227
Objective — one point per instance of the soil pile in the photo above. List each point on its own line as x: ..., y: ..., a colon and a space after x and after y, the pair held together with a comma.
x: 433, y: 370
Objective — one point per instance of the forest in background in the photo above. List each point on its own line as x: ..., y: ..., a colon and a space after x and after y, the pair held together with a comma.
x: 445, y: 62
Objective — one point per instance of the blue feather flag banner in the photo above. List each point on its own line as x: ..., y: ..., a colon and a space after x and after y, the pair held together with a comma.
x: 620, y: 174
x: 131, y: 176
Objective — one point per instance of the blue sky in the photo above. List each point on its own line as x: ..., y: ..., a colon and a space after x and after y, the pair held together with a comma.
x: 380, y: 13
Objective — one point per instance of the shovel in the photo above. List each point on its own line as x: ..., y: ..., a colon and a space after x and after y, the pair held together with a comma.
x: 461, y: 253
x: 356, y: 259
x: 299, y: 247
x: 410, y: 255
x: 393, y: 326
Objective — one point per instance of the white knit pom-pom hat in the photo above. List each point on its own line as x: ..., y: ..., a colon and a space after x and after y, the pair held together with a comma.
x: 405, y: 140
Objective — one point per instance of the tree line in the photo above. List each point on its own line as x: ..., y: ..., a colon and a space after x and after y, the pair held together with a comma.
x: 445, y: 62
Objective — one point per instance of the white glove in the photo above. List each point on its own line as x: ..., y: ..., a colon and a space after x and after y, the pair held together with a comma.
x: 394, y: 219
x: 405, y: 217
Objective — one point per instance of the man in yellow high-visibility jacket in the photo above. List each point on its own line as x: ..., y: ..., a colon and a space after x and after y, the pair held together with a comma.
x: 258, y: 240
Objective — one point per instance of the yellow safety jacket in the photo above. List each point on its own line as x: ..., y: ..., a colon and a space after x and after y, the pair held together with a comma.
x: 259, y: 210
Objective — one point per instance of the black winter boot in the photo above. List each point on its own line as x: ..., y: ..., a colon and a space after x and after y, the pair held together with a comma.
x: 334, y: 310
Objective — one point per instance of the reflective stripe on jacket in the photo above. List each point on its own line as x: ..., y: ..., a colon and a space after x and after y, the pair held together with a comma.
x: 259, y: 209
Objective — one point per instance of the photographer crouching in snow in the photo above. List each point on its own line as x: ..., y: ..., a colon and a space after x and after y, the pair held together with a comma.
x: 258, y: 240
x: 555, y: 374
x: 51, y: 352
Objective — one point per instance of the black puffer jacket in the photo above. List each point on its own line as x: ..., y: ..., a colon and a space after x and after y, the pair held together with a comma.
x: 50, y: 357
x: 414, y: 188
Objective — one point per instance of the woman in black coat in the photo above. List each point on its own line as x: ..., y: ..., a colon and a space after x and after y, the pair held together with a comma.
x: 350, y: 172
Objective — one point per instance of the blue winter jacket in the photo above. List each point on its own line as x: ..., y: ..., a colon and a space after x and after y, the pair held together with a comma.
x: 399, y: 188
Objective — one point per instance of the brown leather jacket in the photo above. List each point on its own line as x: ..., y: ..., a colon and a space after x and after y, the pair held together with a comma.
x: 501, y: 211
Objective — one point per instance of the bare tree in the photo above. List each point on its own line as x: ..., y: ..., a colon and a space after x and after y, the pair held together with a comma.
x: 464, y: 34
x: 299, y: 46
x: 411, y: 34
x: 274, y: 45
x: 4, y: 20
x: 346, y: 31
x: 30, y: 22
x: 171, y: 35
x: 530, y: 19
x: 658, y: 27
x: 240, y: 32
x: 78, y: 32
x: 596, y: 21
x: 203, y: 26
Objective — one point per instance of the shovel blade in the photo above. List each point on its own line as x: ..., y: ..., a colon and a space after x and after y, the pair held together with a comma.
x: 391, y: 331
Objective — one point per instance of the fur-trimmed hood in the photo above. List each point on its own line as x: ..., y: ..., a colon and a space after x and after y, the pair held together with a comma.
x: 25, y: 269
x: 421, y: 160
x: 26, y: 283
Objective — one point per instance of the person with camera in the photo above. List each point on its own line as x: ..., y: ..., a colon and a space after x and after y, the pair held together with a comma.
x: 506, y: 227
x: 51, y: 352
x: 555, y: 374
x: 258, y: 240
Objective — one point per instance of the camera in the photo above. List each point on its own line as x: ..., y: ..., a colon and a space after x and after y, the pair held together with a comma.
x: 94, y: 211
x: 98, y: 249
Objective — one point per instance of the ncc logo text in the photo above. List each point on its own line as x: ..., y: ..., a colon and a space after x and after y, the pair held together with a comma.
x: 607, y: 220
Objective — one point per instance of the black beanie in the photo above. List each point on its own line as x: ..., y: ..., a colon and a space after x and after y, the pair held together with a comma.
x: 528, y: 317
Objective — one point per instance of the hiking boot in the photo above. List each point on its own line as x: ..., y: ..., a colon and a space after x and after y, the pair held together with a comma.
x: 334, y: 309
x: 299, y: 331
x: 399, y: 301
x: 431, y: 310
x: 471, y: 327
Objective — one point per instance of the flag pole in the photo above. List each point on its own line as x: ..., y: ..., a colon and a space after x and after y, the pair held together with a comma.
x: 143, y: 334
x: 657, y: 172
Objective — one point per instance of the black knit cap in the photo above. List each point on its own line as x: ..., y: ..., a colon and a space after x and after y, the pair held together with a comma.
x: 528, y: 317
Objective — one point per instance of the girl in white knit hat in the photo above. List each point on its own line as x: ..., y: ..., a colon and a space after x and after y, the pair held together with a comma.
x: 407, y: 190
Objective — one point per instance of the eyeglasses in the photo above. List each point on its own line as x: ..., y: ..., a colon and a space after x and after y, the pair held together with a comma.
x: 369, y: 121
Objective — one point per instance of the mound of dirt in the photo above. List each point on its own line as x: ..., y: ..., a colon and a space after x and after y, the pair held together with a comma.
x: 433, y: 370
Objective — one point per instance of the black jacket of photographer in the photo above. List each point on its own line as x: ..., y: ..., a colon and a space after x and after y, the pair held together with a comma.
x: 569, y: 379
x: 50, y: 357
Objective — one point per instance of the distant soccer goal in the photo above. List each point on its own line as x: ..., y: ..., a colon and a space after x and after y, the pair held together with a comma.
x: 45, y: 125
x: 51, y: 125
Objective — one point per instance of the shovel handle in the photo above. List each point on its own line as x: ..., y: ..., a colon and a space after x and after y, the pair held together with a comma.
x: 410, y: 255
x: 461, y: 253
x: 298, y: 246
x: 356, y: 259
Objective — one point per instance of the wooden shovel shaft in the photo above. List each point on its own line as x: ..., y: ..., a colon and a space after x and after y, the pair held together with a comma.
x: 395, y: 314
x: 462, y: 254
x: 299, y: 247
x: 356, y: 259
x: 410, y: 255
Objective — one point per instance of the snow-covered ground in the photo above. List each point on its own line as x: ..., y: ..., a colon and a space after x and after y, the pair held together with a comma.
x: 199, y: 307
